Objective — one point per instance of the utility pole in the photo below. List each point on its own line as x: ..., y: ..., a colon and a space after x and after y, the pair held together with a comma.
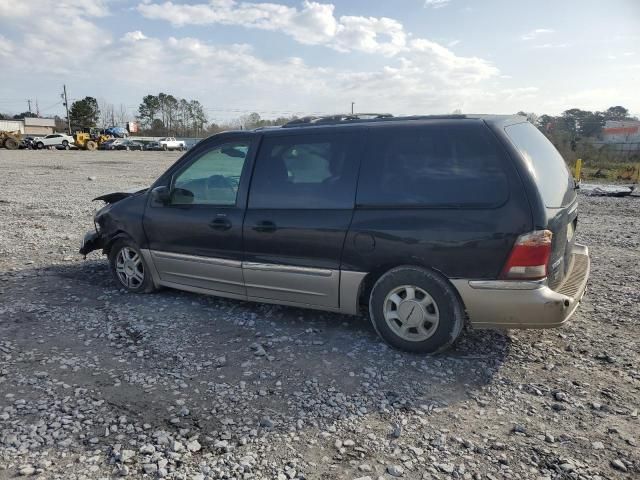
x: 37, y: 108
x: 66, y: 105
x: 29, y: 103
x: 352, y: 104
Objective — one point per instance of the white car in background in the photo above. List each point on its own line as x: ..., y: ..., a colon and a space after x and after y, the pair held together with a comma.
x: 170, y: 143
x: 53, y: 140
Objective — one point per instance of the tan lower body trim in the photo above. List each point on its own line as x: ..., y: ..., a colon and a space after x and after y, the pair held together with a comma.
x: 348, y: 291
x: 537, y: 307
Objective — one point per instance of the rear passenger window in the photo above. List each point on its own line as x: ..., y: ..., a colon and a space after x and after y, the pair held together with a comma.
x: 432, y: 166
x: 549, y: 168
x: 305, y: 171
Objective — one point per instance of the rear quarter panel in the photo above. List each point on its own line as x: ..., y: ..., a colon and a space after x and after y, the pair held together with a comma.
x: 555, y: 219
x: 470, y: 243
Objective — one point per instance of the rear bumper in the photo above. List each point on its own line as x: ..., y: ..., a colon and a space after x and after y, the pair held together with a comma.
x: 512, y: 304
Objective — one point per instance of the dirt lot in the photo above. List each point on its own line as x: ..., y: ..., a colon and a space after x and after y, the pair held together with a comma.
x: 97, y: 383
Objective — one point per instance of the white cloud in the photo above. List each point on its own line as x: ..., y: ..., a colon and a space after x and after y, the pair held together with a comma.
x: 432, y: 80
x: 315, y: 23
x: 533, y: 34
x: 312, y: 24
x: 56, y: 45
x: 551, y: 45
x: 436, y: 3
x: 414, y: 75
x: 134, y: 36
x: 451, y: 68
x: 66, y: 9
x: 6, y: 46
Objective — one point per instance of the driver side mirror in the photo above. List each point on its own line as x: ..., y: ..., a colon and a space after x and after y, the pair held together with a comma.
x: 161, y: 195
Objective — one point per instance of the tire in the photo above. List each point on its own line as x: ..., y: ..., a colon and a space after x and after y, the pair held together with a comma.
x: 124, y: 272
x: 427, y: 322
x: 65, y: 144
x: 90, y: 145
x: 165, y: 148
x: 39, y: 145
x: 11, y: 144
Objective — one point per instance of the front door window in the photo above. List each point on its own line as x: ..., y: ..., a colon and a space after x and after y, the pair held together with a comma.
x: 213, y: 178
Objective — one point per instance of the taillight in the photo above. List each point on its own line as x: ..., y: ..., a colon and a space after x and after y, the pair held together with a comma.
x: 529, y: 257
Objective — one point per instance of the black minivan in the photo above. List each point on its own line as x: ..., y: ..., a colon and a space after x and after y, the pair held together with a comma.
x: 427, y: 221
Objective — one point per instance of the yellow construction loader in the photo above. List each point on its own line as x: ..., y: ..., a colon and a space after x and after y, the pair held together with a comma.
x: 89, y: 140
x: 10, y: 140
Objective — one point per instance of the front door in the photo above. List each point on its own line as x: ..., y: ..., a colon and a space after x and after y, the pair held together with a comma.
x: 196, y: 238
x: 300, y: 208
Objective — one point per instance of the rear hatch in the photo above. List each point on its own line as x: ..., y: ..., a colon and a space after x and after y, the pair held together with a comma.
x: 557, y: 189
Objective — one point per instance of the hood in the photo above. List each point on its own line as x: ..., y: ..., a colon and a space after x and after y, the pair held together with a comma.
x: 114, y: 197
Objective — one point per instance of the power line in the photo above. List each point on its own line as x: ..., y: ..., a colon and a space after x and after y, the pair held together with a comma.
x: 52, y: 106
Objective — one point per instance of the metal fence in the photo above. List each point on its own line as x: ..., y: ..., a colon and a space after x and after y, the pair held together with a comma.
x: 610, y: 152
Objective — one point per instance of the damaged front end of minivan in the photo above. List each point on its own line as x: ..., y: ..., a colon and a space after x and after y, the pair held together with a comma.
x: 106, y: 224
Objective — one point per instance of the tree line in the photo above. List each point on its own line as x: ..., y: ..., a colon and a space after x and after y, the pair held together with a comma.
x: 164, y: 114
x: 578, y: 123
x: 576, y: 133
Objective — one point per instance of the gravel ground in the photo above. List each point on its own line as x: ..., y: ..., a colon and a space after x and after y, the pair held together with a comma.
x: 97, y: 383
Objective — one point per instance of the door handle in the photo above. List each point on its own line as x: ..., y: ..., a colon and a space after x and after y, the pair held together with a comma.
x: 220, y: 224
x: 265, y: 226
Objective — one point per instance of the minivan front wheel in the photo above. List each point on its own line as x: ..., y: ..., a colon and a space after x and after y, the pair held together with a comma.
x: 129, y: 268
x: 416, y: 310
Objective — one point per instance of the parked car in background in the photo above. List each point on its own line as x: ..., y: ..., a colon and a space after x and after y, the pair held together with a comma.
x: 152, y: 146
x: 127, y: 144
x: 27, y: 143
x: 53, y: 140
x: 170, y: 143
x: 425, y: 221
x: 111, y: 144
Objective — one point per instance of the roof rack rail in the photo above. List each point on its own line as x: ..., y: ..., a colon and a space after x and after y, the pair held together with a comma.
x: 312, y: 121
x: 333, y: 119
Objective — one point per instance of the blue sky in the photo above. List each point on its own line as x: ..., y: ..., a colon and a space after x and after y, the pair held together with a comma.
x: 283, y: 57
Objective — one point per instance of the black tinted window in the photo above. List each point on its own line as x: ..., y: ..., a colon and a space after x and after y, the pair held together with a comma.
x: 440, y: 165
x: 305, y: 171
x: 545, y: 162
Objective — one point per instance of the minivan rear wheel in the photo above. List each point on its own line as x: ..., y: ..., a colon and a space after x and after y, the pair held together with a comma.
x: 129, y: 268
x: 416, y: 310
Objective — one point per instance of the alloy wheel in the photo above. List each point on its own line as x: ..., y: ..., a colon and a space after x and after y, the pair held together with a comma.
x: 411, y: 313
x: 129, y: 268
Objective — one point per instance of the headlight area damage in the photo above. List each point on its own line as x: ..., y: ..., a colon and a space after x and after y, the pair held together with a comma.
x: 91, y: 241
x: 99, y: 237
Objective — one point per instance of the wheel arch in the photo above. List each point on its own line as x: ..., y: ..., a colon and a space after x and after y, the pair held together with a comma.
x: 372, y: 277
x: 120, y: 234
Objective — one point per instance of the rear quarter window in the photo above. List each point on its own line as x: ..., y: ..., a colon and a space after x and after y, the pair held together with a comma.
x: 434, y: 166
x: 545, y: 163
